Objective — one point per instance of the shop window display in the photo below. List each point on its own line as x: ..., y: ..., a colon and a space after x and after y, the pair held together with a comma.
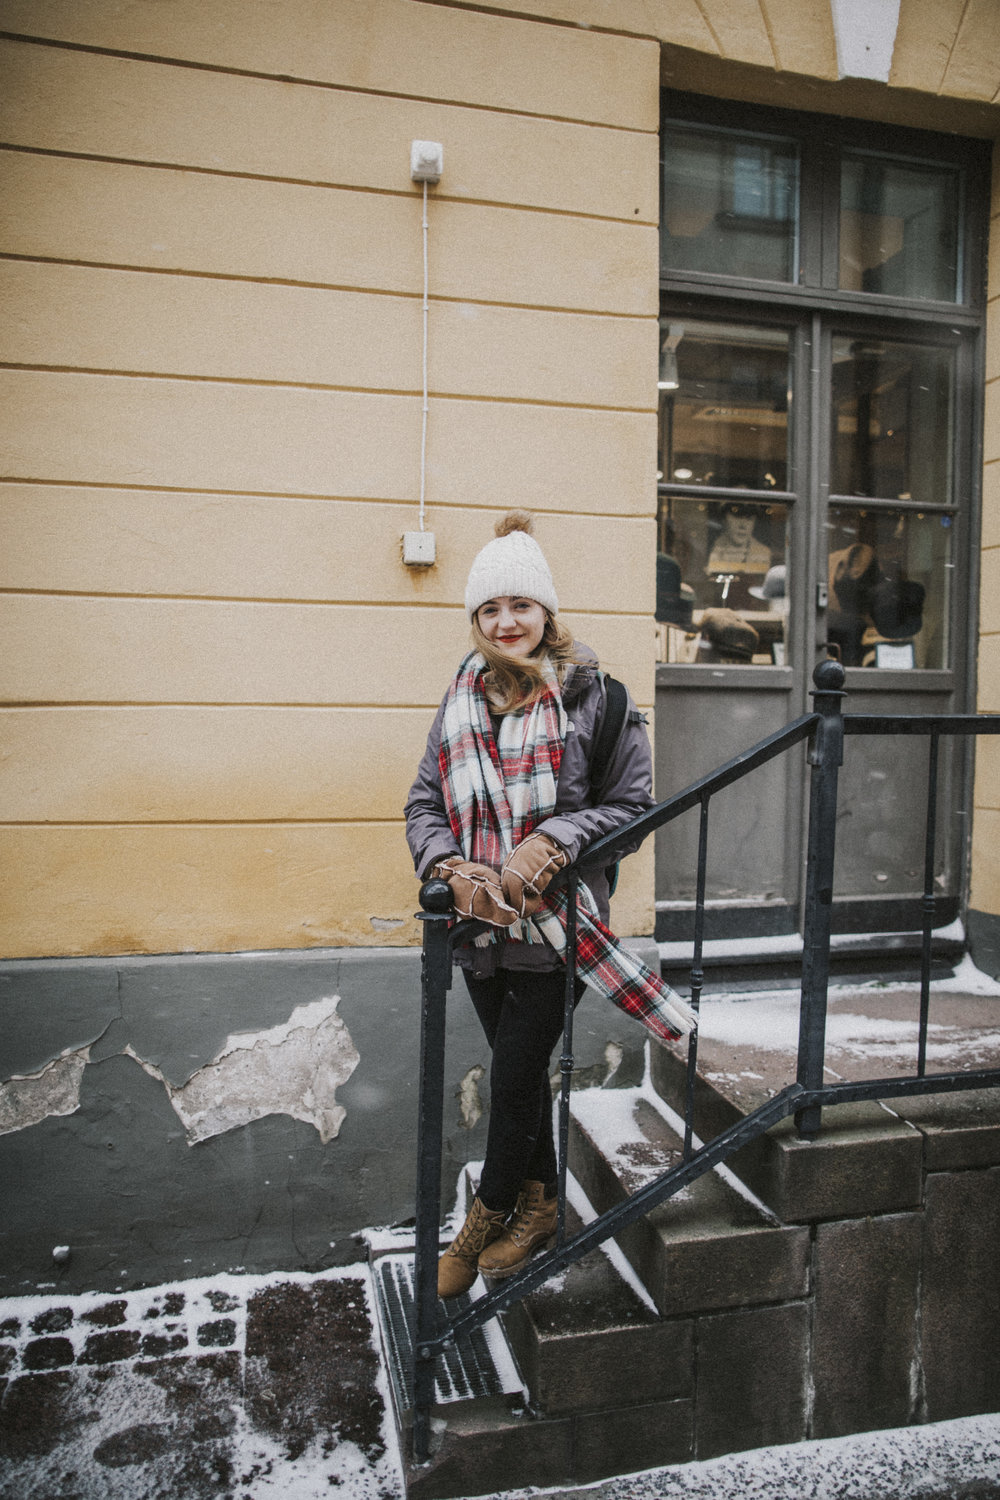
x: 890, y: 564
x: 889, y: 572
x: 722, y: 557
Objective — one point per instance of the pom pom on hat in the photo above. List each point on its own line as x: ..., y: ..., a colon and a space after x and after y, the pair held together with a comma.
x: 511, y: 565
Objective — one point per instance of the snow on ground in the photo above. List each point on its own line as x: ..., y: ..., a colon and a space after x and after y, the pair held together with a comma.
x: 771, y: 1023
x: 228, y: 1386
x: 129, y: 1423
x: 942, y: 1461
x: 768, y: 1020
x: 953, y: 1459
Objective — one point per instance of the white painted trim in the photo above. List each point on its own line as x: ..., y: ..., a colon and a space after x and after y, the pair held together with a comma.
x: 865, y: 32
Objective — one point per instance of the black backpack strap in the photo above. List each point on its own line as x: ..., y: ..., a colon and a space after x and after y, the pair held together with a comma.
x: 616, y: 715
x: 609, y: 732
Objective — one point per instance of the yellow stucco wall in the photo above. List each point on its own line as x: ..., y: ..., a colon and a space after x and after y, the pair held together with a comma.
x: 218, y: 672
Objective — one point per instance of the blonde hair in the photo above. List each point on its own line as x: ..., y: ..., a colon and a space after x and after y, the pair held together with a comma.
x: 513, y: 683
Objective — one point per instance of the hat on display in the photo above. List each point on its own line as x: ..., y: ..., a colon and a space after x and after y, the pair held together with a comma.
x: 773, y: 586
x: 731, y: 637
x: 511, y: 566
x: 854, y: 573
x: 897, y: 608
x: 674, y: 599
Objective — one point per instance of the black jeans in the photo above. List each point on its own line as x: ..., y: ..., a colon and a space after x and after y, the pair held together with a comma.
x: 522, y: 1016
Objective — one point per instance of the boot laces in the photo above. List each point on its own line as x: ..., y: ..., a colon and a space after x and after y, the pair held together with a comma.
x: 471, y: 1238
x: 529, y: 1217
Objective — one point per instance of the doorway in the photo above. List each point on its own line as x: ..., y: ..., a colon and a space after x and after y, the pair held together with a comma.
x: 819, y: 387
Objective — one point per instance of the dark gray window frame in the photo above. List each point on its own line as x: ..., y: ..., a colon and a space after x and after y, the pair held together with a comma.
x: 814, y: 308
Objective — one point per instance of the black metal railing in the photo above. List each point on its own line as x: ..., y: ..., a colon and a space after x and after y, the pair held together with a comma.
x: 805, y: 1098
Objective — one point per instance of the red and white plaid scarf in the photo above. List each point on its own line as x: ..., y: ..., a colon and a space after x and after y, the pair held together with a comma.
x: 497, y: 789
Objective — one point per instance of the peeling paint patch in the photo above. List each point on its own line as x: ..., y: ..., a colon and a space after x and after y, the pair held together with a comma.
x: 386, y: 924
x: 29, y: 1099
x: 470, y: 1101
x: 292, y: 1069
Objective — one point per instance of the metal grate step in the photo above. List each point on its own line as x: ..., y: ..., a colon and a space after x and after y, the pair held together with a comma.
x: 481, y: 1364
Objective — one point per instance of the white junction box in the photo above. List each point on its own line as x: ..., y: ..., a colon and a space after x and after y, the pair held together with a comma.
x: 418, y: 549
x: 426, y: 161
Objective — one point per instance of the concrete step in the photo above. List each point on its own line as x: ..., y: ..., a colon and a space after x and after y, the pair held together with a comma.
x: 712, y: 1245
x: 583, y: 1380
x: 867, y: 1159
x: 605, y: 1351
x: 591, y: 1345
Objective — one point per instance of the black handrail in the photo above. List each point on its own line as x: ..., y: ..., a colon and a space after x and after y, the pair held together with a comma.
x: 825, y: 728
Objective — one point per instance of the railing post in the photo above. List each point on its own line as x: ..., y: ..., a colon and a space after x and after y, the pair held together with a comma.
x: 825, y: 758
x: 435, y: 981
x: 566, y: 1057
x: 927, y: 903
x: 697, y: 976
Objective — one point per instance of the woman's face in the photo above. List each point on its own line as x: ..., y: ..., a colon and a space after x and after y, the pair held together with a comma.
x: 512, y: 624
x: 739, y: 526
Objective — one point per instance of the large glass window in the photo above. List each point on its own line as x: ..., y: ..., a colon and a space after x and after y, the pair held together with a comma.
x: 723, y: 543
x: 820, y: 307
x: 730, y: 203
x: 892, y: 420
x: 798, y: 206
x: 890, y: 573
x: 890, y: 567
x: 899, y: 227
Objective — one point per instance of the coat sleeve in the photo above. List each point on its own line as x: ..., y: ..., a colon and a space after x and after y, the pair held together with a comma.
x: 428, y: 831
x: 628, y: 789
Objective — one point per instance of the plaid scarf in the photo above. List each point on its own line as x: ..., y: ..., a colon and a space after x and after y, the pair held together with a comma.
x: 497, y: 789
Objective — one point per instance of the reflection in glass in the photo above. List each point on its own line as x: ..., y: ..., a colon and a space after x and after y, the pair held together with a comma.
x: 721, y: 581
x: 730, y: 203
x: 899, y: 228
x: 892, y: 420
x: 725, y: 423
x: 889, y: 579
x: 721, y: 558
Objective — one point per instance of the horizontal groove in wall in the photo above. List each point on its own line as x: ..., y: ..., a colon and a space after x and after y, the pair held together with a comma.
x: 90, y: 705
x: 321, y: 286
x: 256, y: 601
x: 209, y: 823
x: 406, y: 502
x: 331, y: 185
x: 319, y: 83
x: 56, y: 707
x: 305, y: 385
x: 241, y: 708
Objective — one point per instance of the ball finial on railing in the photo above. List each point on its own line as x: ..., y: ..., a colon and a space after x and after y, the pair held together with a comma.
x: 435, y: 896
x: 829, y: 676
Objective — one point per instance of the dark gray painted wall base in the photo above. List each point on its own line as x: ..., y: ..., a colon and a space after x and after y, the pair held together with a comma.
x: 115, y: 1178
x: 984, y: 941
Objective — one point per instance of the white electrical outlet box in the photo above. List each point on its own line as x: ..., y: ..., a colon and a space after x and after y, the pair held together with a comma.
x: 418, y: 549
x: 426, y: 161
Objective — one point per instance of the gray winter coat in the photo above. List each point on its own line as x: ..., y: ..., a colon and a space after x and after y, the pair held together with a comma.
x: 576, y: 821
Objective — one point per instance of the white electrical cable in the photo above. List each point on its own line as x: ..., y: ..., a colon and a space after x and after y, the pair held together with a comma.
x: 423, y: 432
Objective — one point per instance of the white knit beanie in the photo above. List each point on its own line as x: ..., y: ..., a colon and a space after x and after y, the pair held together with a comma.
x: 512, y: 565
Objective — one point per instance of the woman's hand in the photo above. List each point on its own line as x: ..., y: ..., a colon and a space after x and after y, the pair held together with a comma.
x: 477, y: 891
x: 527, y: 871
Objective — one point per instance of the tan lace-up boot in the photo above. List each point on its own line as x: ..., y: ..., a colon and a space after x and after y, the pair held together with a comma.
x: 532, y: 1228
x: 457, y: 1268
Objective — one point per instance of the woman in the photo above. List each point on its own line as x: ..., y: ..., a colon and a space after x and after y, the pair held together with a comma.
x: 502, y: 801
x: 736, y: 549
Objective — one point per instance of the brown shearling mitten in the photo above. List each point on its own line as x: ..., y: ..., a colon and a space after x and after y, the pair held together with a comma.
x: 528, y: 869
x: 477, y: 891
